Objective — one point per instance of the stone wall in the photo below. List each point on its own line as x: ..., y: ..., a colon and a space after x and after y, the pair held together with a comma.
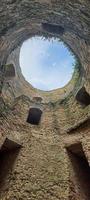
x: 51, y: 155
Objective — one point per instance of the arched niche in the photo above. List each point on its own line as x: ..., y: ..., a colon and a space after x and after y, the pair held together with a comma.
x: 83, y: 97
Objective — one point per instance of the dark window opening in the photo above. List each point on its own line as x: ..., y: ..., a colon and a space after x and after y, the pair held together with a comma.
x: 83, y: 97
x: 8, y: 154
x: 53, y: 28
x: 79, y: 173
x: 9, y: 71
x: 34, y: 116
x: 9, y: 145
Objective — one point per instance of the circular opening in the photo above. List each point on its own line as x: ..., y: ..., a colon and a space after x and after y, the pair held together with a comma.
x: 46, y: 64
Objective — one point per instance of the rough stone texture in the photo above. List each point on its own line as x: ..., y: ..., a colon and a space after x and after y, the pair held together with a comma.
x: 44, y: 169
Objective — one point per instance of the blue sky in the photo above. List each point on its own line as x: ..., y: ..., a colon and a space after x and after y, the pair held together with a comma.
x: 46, y: 64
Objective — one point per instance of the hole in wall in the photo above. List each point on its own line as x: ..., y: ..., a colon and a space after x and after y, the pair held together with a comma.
x: 53, y: 28
x: 7, y: 161
x: 79, y: 172
x: 83, y: 97
x: 34, y: 116
x: 8, y: 155
x: 9, y: 145
x: 46, y: 64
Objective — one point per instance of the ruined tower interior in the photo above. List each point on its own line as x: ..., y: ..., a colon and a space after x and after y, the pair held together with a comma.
x: 44, y: 136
